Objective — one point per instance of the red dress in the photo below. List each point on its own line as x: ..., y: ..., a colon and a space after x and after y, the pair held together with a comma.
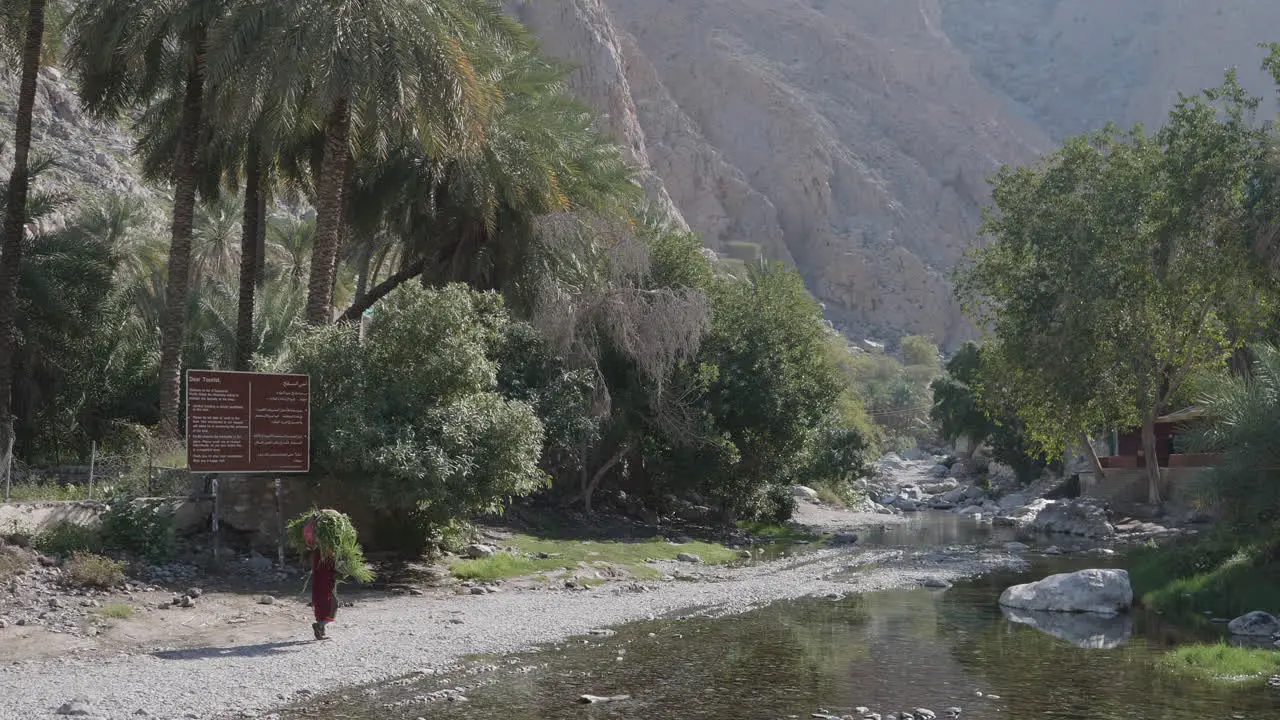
x: 324, y: 583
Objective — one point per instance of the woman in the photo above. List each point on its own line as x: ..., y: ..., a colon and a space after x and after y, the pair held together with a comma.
x: 324, y: 592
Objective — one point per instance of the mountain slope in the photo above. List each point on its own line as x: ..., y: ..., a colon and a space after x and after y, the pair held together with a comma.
x: 854, y: 137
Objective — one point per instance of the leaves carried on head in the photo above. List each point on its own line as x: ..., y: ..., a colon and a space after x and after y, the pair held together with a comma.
x: 332, y: 534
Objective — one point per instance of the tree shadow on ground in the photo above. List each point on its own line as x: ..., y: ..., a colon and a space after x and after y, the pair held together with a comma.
x: 241, y: 651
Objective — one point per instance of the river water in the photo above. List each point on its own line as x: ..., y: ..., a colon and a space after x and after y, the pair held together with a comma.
x: 888, y: 651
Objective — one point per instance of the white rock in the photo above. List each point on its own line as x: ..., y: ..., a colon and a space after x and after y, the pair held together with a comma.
x: 1255, y: 624
x: 1105, y: 592
x: 1082, y: 517
x: 801, y: 491
x: 479, y: 550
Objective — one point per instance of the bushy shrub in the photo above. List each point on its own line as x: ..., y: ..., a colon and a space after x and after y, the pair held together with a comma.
x: 90, y: 570
x: 68, y: 538
x: 144, y: 528
x: 412, y: 417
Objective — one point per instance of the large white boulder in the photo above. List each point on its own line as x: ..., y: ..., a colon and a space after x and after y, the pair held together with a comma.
x: 804, y: 493
x: 1255, y: 624
x: 1106, y: 592
x: 1083, y: 517
x: 1022, y: 516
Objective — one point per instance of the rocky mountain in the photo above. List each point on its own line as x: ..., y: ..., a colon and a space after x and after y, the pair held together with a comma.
x: 854, y: 137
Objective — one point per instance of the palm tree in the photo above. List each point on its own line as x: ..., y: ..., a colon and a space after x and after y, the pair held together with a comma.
x: 475, y: 217
x: 15, y: 218
x: 372, y: 75
x: 128, y: 52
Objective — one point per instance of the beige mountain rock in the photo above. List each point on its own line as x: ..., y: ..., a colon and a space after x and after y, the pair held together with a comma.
x: 854, y: 138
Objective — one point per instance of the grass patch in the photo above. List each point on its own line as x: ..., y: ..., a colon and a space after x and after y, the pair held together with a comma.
x: 775, y: 531
x: 51, y: 491
x: 89, y: 570
x: 117, y: 611
x: 542, y: 554
x: 1220, y: 575
x: 1222, y: 663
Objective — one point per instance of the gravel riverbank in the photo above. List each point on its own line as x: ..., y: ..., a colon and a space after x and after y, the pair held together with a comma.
x: 380, y: 639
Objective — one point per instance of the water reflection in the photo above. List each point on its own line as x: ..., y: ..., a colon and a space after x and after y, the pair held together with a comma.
x: 1084, y: 630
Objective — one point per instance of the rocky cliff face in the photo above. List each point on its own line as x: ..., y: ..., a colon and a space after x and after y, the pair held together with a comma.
x: 854, y: 137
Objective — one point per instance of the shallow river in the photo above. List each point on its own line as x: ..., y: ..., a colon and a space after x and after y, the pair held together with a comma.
x: 888, y: 651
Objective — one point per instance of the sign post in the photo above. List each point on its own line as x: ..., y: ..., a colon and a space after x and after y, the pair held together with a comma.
x: 245, y: 422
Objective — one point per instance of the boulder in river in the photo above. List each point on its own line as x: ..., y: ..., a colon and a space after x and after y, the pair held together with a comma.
x: 1255, y: 624
x: 1083, y: 517
x: 1084, y: 630
x: 1021, y: 517
x: 942, y: 486
x: 1106, y: 592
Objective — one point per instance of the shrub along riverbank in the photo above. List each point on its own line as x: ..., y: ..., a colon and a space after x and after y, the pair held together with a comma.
x: 1223, y: 575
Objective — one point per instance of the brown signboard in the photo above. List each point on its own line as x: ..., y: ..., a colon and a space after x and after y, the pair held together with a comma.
x: 242, y: 422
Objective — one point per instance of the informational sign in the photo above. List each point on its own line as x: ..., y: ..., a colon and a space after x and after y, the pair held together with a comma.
x: 243, y: 422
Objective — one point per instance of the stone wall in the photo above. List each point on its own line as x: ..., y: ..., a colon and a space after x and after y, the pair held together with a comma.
x: 247, y: 506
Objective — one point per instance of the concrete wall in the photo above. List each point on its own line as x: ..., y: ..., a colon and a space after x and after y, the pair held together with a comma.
x: 34, y: 517
x: 1182, y: 487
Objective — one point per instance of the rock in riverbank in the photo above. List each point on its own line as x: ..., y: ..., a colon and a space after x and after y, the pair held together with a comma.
x: 1255, y: 624
x: 1106, y: 592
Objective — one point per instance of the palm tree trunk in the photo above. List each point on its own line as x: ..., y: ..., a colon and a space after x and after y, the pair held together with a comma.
x: 260, y: 232
x: 362, y: 272
x: 15, y: 218
x: 185, y: 171
x: 328, y: 215
x: 249, y: 258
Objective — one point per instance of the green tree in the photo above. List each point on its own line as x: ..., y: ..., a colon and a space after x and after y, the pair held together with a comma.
x: 919, y: 351
x: 970, y: 400
x: 957, y: 410
x: 375, y: 75
x: 412, y: 418
x: 1112, y: 267
x: 15, y: 219
x: 773, y: 386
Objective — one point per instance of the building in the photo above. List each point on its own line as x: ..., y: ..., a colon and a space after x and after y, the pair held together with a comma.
x: 1126, y: 446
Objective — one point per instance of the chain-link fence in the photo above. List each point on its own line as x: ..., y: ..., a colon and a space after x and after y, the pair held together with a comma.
x: 156, y: 469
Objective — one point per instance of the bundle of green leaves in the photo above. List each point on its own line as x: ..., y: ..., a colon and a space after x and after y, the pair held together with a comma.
x: 331, y: 534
